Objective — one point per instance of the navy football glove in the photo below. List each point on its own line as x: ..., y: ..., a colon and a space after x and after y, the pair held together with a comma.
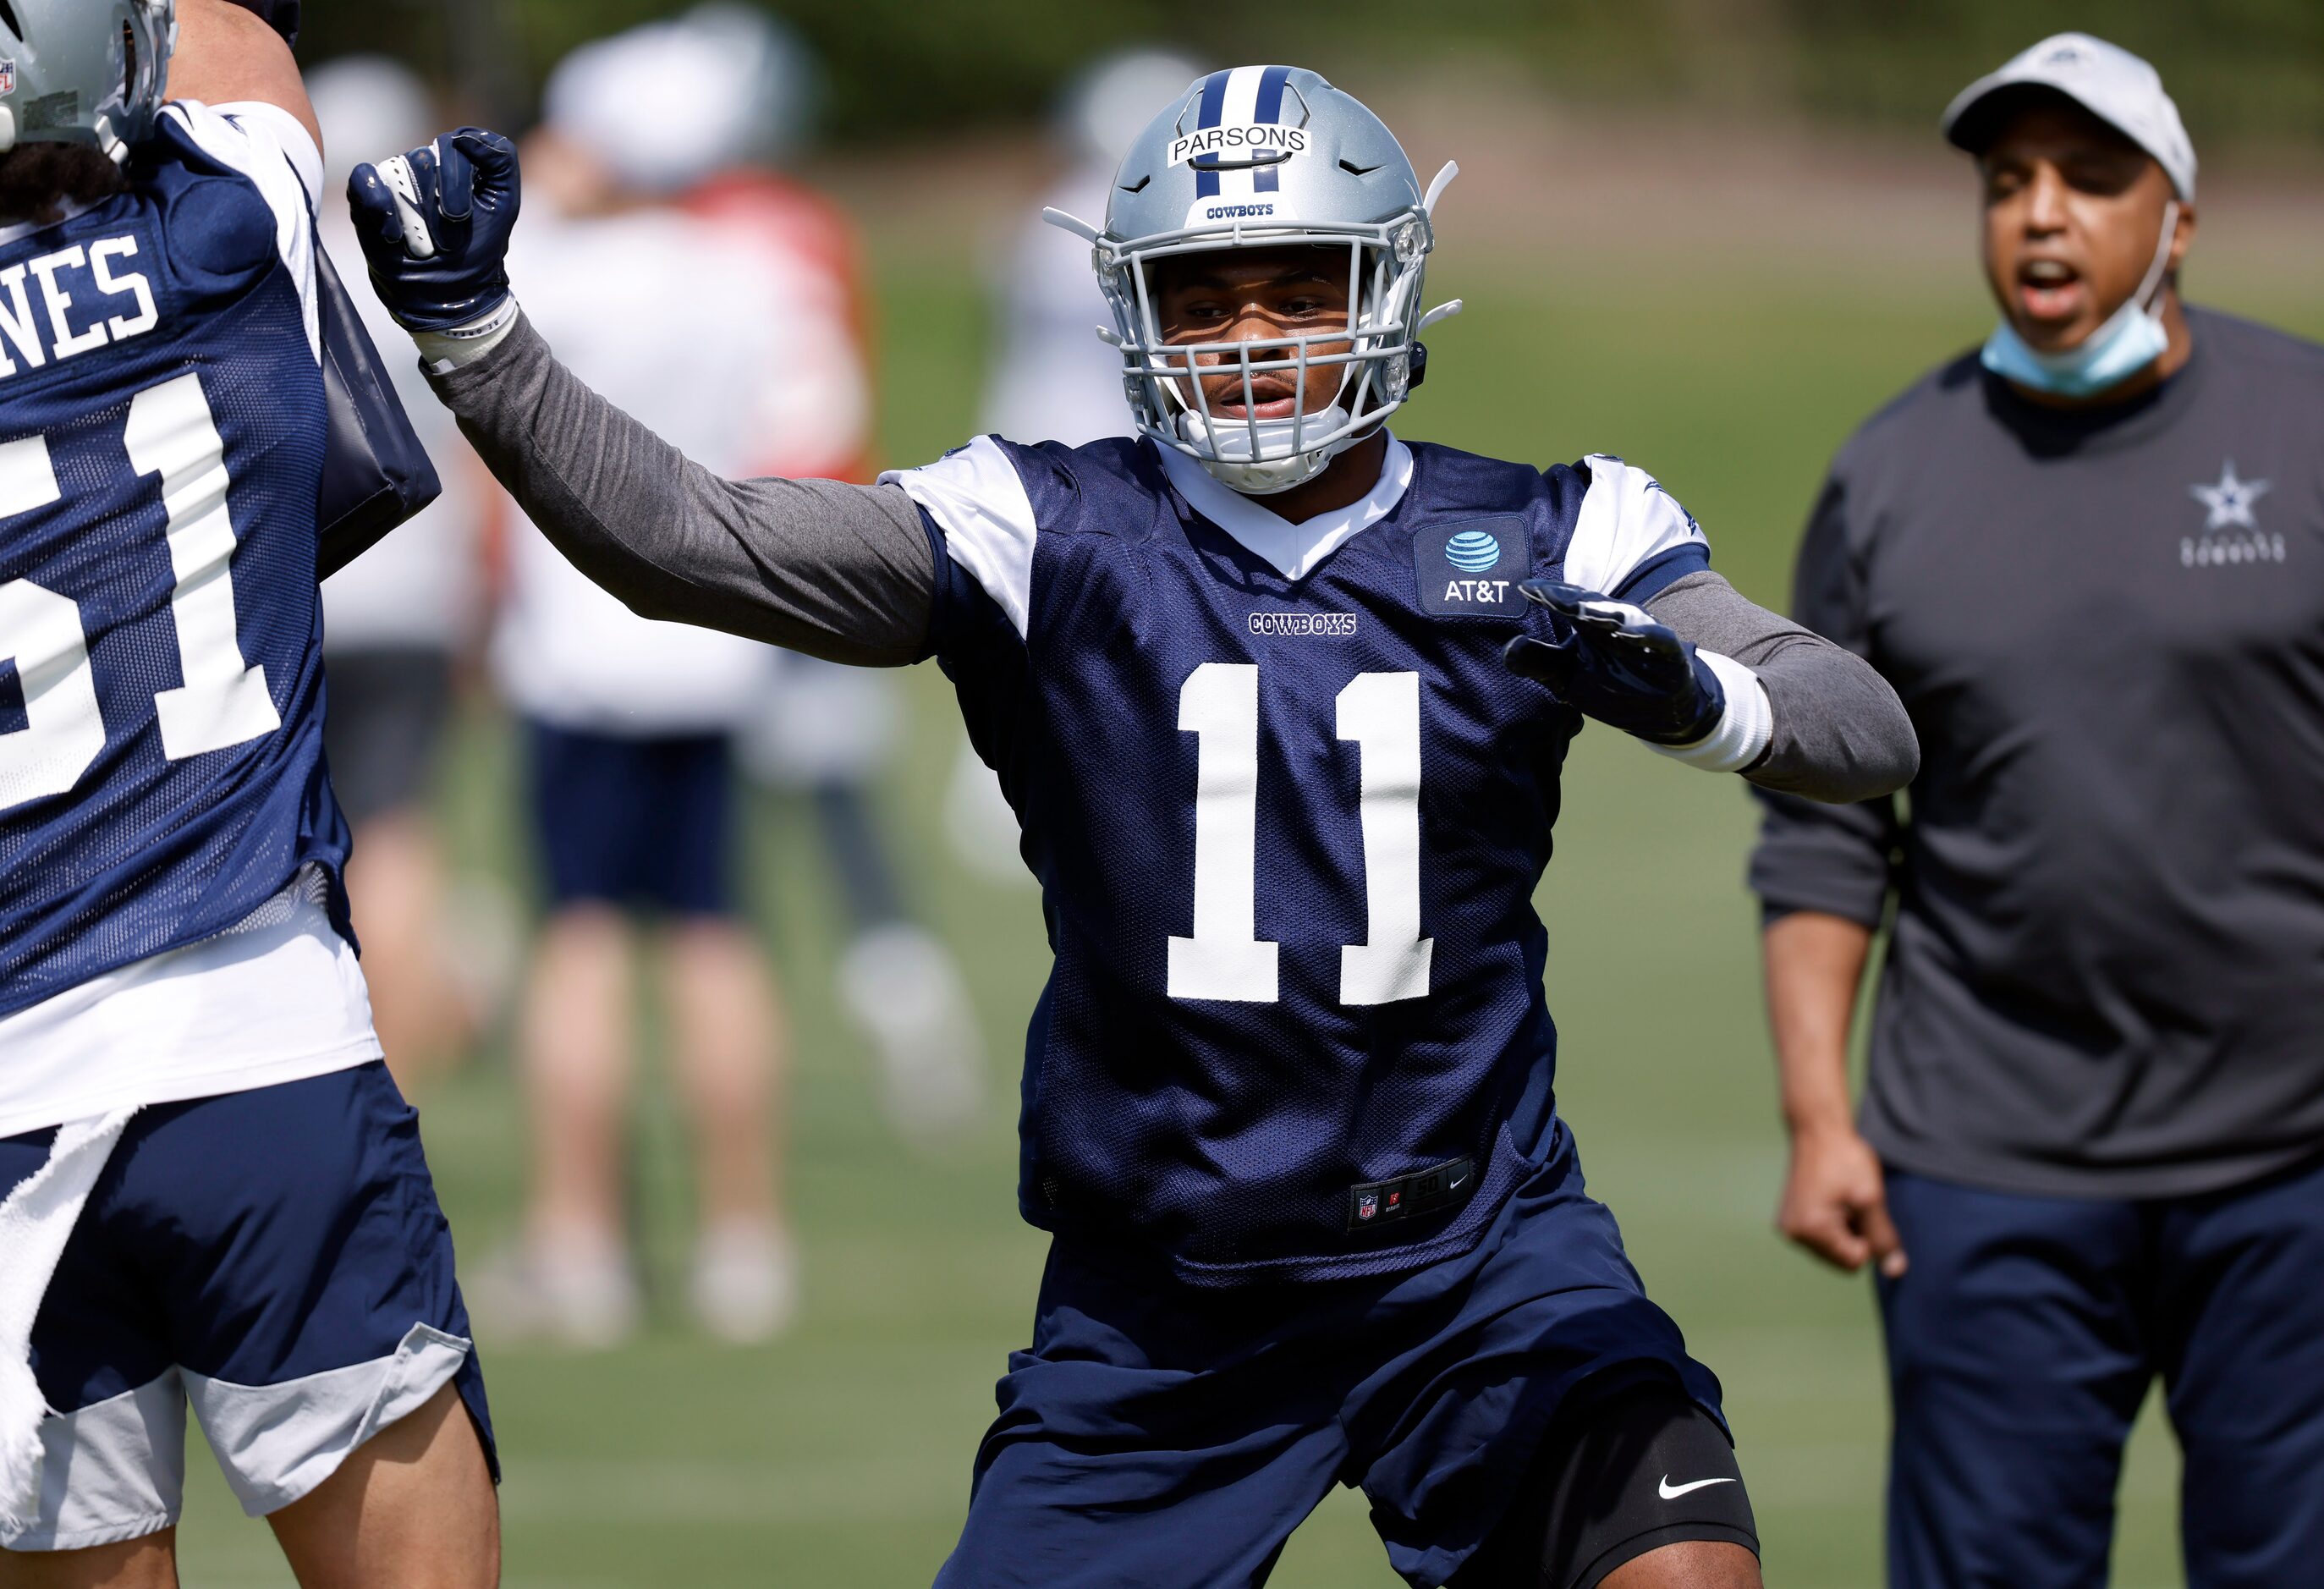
x: 1610, y: 660
x: 434, y: 227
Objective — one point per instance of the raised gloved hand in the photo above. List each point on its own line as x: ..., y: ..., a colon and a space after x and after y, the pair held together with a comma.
x: 435, y: 226
x: 1610, y: 660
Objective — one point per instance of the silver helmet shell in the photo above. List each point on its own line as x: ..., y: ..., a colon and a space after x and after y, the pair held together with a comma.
x: 1261, y: 157
x: 84, y: 71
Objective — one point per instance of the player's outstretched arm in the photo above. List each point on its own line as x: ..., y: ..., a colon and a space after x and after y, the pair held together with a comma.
x: 232, y: 55
x: 1717, y: 682
x: 840, y: 571
x: 1837, y: 733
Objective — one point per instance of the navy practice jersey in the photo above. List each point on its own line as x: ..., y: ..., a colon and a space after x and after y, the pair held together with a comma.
x: 1287, y: 810
x: 161, y: 431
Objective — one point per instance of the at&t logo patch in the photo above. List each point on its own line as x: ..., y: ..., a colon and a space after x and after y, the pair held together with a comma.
x: 1472, y: 551
x: 1473, y: 568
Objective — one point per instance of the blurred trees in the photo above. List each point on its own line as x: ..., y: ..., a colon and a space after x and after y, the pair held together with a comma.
x: 901, y: 68
x: 2237, y: 68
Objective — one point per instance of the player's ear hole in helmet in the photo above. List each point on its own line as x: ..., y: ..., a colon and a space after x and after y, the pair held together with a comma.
x: 1268, y: 158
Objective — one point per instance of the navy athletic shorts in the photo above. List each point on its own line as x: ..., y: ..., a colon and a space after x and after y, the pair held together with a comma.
x: 643, y: 823
x: 277, y: 1258
x: 1163, y: 1435
x: 2022, y: 1339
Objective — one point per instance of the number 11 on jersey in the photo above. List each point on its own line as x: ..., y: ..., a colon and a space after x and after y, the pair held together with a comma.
x: 1225, y: 959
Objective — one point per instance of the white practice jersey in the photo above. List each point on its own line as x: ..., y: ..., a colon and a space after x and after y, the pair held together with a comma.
x: 664, y: 316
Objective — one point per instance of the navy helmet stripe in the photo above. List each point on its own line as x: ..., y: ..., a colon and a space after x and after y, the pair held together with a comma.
x: 1214, y: 103
x: 1269, y: 108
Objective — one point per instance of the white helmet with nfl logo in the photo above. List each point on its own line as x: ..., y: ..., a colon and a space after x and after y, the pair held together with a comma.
x: 1262, y: 157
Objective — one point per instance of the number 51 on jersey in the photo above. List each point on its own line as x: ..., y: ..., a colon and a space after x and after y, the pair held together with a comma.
x: 223, y: 702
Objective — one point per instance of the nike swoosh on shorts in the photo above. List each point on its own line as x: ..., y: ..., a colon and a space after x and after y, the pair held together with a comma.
x: 1671, y: 1493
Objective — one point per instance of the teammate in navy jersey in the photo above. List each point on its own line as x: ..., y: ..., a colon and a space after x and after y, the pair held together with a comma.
x: 1280, y: 703
x: 213, y: 1194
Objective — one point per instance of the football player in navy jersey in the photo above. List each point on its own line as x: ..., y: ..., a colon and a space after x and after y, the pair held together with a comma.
x: 211, y: 1192
x: 1280, y: 702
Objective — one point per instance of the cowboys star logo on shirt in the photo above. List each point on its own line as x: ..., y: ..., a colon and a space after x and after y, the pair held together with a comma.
x: 2231, y: 530
x: 2230, y: 502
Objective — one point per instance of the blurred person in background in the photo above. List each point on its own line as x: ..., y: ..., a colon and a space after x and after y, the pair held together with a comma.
x: 396, y: 623
x: 629, y: 726
x: 829, y: 732
x: 2090, y: 1152
x: 832, y: 733
x: 1052, y: 378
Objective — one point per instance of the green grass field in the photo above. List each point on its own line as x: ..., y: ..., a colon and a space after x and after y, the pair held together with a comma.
x: 840, y: 1456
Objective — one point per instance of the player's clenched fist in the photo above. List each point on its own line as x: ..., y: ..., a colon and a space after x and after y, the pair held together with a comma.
x: 1610, y: 660
x: 435, y: 225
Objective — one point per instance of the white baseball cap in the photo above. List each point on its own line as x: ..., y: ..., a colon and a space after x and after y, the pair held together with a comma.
x: 670, y: 103
x: 2119, y: 89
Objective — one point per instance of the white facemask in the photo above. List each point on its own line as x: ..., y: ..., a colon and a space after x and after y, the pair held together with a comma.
x: 1288, y: 452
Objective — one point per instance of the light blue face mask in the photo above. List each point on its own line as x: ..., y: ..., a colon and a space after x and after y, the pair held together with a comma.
x: 2132, y: 339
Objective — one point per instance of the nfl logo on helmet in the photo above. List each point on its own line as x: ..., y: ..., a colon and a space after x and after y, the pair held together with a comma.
x: 7, y: 78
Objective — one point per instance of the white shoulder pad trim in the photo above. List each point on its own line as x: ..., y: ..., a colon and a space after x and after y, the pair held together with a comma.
x: 1627, y: 521
x: 978, y: 502
x: 267, y: 145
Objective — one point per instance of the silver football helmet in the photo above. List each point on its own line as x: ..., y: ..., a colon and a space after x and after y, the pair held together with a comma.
x: 1260, y: 157
x: 84, y: 71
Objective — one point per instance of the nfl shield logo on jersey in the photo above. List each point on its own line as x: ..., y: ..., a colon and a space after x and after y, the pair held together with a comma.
x: 1367, y: 1204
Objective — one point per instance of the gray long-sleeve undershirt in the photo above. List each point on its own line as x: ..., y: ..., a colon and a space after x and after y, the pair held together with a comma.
x: 845, y: 572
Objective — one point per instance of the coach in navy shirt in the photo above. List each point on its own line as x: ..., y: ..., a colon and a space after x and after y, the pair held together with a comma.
x: 2090, y: 559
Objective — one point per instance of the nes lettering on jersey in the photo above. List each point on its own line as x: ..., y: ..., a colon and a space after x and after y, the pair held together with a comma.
x: 1262, y: 143
x: 59, y: 305
x: 1301, y: 625
x: 1473, y: 568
